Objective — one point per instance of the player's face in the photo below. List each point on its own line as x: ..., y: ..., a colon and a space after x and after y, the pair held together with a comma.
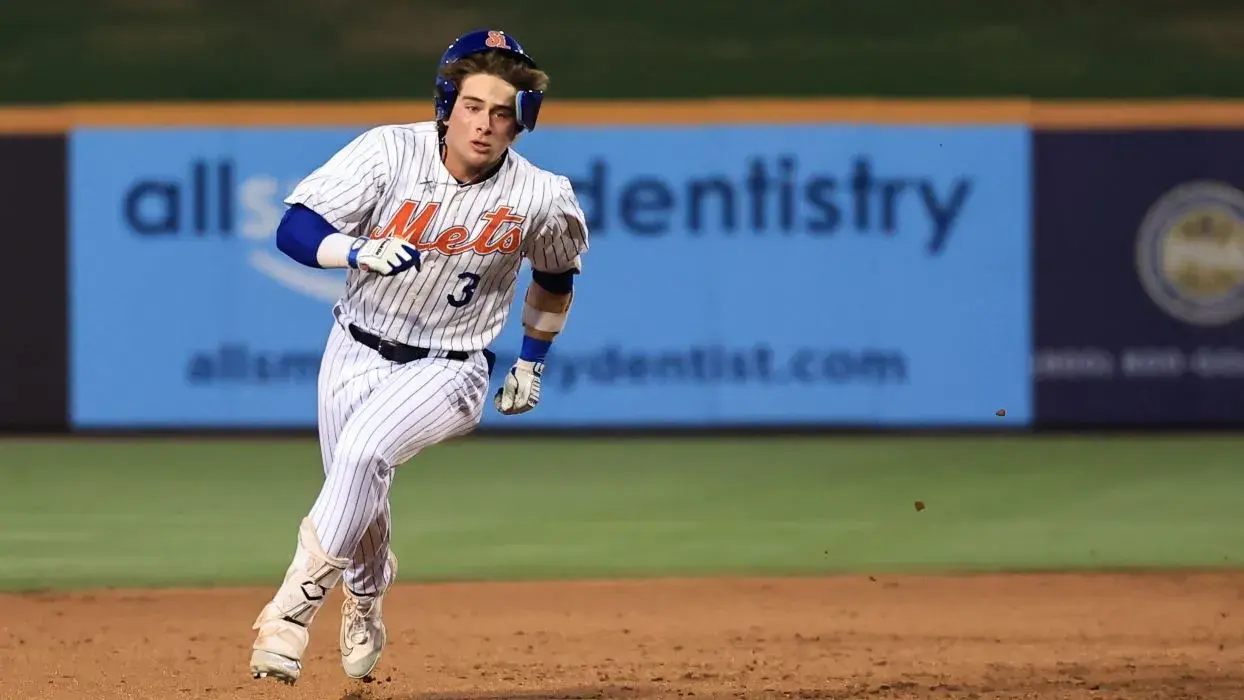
x: 483, y: 122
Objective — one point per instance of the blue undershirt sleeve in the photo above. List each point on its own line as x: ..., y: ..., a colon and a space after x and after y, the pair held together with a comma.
x: 300, y: 233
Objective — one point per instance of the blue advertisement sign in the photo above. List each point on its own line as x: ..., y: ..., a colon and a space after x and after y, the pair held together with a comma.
x: 1139, y: 278
x: 759, y: 275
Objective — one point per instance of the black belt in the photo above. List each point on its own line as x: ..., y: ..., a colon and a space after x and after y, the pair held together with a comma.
x: 401, y: 354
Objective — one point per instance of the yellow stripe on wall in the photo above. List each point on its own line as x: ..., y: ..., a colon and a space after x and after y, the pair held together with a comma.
x: 1042, y: 114
x: 1201, y: 114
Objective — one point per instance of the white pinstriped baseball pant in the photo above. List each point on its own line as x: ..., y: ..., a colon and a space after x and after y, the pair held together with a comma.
x: 374, y: 415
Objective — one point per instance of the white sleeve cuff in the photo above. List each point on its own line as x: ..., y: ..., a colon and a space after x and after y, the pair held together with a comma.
x: 545, y: 321
x: 334, y: 250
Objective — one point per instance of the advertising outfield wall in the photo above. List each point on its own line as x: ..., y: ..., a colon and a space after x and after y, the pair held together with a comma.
x: 738, y: 275
x: 850, y: 269
x: 1139, y: 267
x: 34, y: 347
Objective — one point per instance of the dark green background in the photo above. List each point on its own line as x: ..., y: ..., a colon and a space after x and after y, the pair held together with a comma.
x: 70, y: 50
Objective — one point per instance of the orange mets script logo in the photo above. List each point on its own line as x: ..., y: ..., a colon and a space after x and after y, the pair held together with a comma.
x: 496, y: 40
x: 411, y: 222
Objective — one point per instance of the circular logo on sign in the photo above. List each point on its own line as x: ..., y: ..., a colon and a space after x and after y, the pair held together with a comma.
x: 1190, y: 253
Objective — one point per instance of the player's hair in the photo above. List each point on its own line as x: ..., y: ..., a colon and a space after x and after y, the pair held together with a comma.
x: 507, y: 67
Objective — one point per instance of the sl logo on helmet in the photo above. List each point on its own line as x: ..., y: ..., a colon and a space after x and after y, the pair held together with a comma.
x: 496, y: 40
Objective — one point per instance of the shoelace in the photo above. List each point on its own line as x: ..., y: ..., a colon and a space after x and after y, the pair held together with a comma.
x: 357, y: 611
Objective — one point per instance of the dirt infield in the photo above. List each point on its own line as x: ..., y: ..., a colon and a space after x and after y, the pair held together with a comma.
x: 1125, y: 637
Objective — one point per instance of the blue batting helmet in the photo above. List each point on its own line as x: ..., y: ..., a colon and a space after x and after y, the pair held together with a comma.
x: 526, y: 102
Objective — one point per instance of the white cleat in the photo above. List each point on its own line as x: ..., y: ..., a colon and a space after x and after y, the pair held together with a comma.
x: 265, y: 664
x: 277, y: 652
x: 363, y: 634
x: 284, y: 623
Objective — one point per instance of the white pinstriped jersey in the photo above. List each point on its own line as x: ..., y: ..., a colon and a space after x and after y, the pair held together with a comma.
x: 390, y: 181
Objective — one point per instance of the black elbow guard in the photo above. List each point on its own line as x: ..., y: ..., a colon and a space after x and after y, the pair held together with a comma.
x: 554, y: 282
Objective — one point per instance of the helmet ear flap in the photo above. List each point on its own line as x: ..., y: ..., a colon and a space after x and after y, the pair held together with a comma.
x: 527, y: 107
x: 446, y: 93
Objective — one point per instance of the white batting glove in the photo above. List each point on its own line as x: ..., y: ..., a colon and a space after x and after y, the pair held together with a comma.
x: 383, y: 256
x: 521, y: 391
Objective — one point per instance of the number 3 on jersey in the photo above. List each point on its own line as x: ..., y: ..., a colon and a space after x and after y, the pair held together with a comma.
x: 468, y: 290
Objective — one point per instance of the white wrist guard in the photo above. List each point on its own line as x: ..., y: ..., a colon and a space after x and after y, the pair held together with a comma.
x: 334, y: 251
x: 545, y: 321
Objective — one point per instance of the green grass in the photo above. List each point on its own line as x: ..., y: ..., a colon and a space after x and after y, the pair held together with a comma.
x: 172, y: 512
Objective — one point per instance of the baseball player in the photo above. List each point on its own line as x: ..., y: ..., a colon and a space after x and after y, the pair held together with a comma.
x: 432, y: 221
